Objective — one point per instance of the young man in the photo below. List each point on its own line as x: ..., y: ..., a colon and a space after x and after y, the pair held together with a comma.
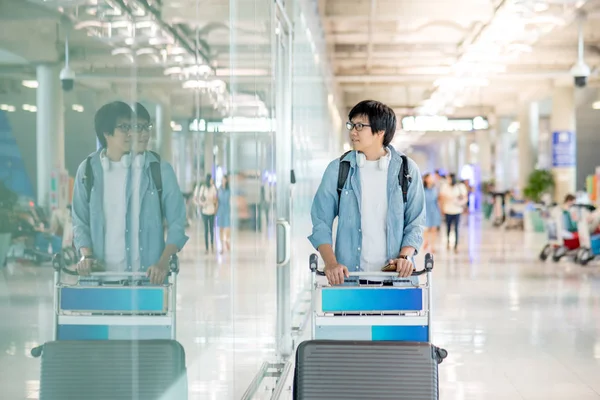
x: 117, y: 215
x: 375, y: 225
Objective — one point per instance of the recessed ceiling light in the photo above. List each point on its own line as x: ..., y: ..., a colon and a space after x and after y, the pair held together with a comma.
x: 596, y: 105
x: 30, y: 84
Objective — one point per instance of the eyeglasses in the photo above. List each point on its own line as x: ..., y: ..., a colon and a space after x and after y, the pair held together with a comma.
x: 144, y: 127
x: 126, y: 128
x: 359, y: 126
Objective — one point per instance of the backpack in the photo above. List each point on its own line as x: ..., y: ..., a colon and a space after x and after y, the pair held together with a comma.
x: 88, y: 178
x: 402, y: 182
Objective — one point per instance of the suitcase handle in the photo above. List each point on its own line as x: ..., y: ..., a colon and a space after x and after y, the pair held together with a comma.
x: 314, y: 264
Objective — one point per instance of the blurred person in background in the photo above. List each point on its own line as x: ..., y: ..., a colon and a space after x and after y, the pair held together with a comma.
x: 433, y: 216
x: 207, y: 199
x: 224, y: 214
x: 454, y: 198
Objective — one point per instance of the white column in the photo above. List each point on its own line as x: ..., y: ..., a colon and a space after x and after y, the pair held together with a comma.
x: 164, y: 132
x: 563, y: 127
x: 529, y: 123
x: 461, y: 153
x: 507, y: 161
x: 50, y: 139
x: 209, y: 157
x: 484, y: 154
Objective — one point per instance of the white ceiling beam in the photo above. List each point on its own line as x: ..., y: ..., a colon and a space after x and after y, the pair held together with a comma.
x: 412, y: 9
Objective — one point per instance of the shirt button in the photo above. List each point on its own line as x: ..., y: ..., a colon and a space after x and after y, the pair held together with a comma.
x: 128, y: 249
x: 359, y: 248
x: 346, y: 192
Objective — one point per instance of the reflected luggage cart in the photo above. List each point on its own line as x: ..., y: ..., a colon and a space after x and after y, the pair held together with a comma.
x: 127, y: 307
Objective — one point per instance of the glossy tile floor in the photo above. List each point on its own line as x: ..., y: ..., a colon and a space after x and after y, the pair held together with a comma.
x: 515, y: 328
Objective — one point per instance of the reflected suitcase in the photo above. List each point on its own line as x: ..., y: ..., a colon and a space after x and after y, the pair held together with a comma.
x: 113, y: 369
x: 353, y: 370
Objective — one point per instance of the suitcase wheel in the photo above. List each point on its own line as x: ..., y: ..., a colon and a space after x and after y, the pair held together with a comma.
x: 37, y: 351
x: 440, y: 354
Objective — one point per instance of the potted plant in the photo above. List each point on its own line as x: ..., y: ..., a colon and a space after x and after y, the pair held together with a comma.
x: 540, y: 182
x: 8, y: 219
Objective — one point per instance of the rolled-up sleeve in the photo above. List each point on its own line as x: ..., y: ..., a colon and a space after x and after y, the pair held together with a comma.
x: 325, y: 207
x: 80, y: 212
x: 173, y: 207
x: 414, y: 212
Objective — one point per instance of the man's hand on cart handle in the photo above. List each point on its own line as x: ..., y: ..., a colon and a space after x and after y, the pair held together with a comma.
x: 86, y: 263
x: 157, y: 273
x: 404, y: 266
x: 336, y: 273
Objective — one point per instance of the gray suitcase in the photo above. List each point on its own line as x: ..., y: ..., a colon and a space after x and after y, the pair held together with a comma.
x: 352, y: 370
x: 113, y: 369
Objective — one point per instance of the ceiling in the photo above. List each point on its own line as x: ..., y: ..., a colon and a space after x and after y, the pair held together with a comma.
x: 174, y: 36
x: 460, y: 58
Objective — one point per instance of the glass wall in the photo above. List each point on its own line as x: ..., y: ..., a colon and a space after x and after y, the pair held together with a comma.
x: 234, y: 102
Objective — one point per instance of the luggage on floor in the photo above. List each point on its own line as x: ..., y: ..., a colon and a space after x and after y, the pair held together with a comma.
x: 353, y: 370
x: 113, y: 369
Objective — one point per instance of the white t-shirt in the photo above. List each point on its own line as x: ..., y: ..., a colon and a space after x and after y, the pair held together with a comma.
x: 136, y: 178
x: 373, y: 215
x: 454, y: 198
x: 115, y: 214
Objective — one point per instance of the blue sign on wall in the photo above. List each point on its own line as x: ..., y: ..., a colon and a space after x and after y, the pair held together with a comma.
x: 563, y: 149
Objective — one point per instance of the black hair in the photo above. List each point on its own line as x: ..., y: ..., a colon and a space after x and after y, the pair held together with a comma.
x: 453, y: 179
x: 142, y: 112
x: 226, y: 182
x: 427, y: 175
x: 208, y: 178
x: 381, y: 118
x: 105, y: 120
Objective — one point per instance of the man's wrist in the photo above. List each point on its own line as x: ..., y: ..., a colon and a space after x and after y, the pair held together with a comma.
x: 86, y: 252
x: 407, y: 252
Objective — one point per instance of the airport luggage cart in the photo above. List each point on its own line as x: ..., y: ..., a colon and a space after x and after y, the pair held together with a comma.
x: 374, y: 312
x: 561, y: 243
x: 589, y: 243
x: 516, y: 214
x: 130, y: 308
x: 375, y: 337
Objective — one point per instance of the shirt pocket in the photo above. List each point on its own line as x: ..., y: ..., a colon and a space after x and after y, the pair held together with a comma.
x: 151, y: 212
x: 348, y: 208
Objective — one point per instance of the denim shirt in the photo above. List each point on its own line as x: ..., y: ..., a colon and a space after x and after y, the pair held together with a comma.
x: 89, y: 222
x: 404, y: 222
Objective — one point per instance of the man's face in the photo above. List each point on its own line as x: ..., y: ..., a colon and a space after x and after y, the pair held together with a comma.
x: 362, y: 136
x: 141, y: 135
x: 120, y: 140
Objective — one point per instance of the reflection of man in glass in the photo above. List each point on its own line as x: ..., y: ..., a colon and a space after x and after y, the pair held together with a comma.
x: 119, y: 220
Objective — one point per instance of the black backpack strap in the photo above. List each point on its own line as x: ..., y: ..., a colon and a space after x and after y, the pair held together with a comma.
x: 88, y: 177
x: 342, y: 176
x: 157, y: 179
x: 404, y: 178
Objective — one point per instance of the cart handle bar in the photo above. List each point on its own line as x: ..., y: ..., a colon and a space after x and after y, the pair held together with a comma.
x: 314, y: 264
x: 59, y: 265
